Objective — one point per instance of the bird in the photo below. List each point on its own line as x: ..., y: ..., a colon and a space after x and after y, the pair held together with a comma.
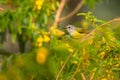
x: 75, y: 32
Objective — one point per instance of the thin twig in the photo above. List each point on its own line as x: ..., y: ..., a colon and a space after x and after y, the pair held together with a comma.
x: 83, y: 76
x: 113, y: 20
x: 92, y: 76
x: 1, y: 9
x: 73, y: 12
x: 64, y: 65
x: 76, y: 71
x: 93, y: 31
x: 59, y: 12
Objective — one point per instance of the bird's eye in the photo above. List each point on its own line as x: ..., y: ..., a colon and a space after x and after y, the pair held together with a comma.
x: 68, y: 27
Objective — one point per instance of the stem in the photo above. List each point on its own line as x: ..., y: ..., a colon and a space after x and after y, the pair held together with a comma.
x: 73, y: 12
x: 93, y: 31
x: 64, y: 65
x: 59, y: 12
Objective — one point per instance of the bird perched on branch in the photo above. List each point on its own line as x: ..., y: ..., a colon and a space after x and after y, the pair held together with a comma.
x: 75, y: 32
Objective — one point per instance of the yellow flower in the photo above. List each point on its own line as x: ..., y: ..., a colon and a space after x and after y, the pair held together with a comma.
x: 39, y: 4
x: 70, y: 49
x: 53, y: 7
x: 56, y: 32
x: 90, y: 42
x: 41, y: 55
x: 102, y: 54
x: 74, y: 62
x: 39, y: 41
x: 39, y: 7
x: 46, y: 38
x: 58, y: 4
x: 39, y: 44
x: 104, y: 79
x: 117, y: 65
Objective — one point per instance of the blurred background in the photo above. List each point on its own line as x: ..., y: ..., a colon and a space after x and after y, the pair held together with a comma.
x: 105, y: 10
x: 40, y: 49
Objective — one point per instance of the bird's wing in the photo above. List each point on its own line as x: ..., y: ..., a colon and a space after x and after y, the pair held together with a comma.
x: 81, y: 30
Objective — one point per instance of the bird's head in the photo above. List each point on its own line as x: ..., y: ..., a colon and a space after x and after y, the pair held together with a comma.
x: 70, y: 28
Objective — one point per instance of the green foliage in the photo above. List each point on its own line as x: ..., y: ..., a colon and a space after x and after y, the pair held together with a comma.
x: 91, y: 3
x: 54, y: 56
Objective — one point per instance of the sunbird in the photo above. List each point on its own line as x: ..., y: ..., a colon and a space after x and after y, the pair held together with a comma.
x: 75, y: 32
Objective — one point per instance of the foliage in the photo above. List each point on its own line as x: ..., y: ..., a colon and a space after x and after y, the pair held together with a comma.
x: 91, y: 3
x: 54, y: 55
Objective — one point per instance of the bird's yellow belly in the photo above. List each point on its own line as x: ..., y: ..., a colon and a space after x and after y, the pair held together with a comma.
x: 76, y: 34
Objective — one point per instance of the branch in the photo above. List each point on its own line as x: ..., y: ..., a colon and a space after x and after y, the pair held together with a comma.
x: 83, y: 76
x: 1, y: 9
x: 76, y: 71
x: 64, y: 65
x: 91, y: 33
x: 73, y: 12
x: 113, y: 20
x: 58, y: 14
